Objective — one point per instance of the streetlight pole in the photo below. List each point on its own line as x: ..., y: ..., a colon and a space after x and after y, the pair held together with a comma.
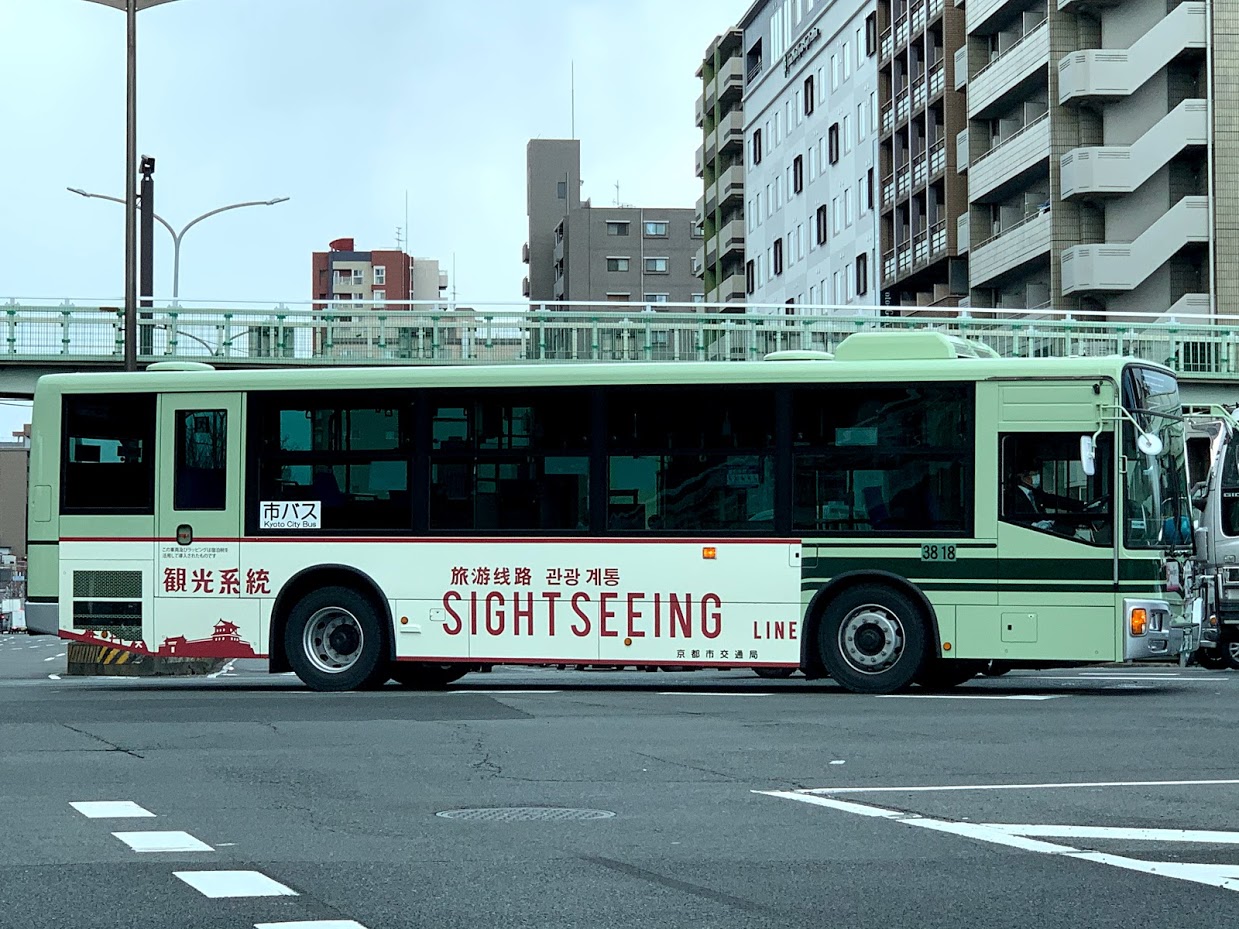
x: 131, y: 8
x: 177, y: 236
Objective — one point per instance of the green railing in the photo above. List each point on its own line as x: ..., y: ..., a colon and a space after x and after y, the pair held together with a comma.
x: 363, y: 334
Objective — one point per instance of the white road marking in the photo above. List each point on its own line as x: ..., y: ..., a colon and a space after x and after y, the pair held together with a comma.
x: 53, y: 658
x: 1127, y: 677
x: 1201, y: 836
x: 710, y: 693
x: 1224, y: 876
x: 839, y: 761
x: 504, y: 691
x: 162, y: 842
x: 226, y: 669
x: 313, y: 924
x: 955, y: 787
x: 216, y: 884
x: 110, y: 809
x: 1035, y: 697
x: 54, y: 677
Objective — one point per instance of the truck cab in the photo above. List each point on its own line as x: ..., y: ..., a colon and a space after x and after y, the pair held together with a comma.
x: 1213, y: 470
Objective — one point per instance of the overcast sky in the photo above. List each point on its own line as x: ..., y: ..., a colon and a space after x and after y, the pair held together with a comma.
x: 342, y: 106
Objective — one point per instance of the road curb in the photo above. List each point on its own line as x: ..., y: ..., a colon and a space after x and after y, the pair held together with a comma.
x: 104, y: 660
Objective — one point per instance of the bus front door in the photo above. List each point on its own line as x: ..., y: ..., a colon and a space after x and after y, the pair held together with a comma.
x: 207, y: 605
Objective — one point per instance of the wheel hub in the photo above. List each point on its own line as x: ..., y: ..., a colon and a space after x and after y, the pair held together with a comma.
x: 333, y: 640
x: 871, y: 639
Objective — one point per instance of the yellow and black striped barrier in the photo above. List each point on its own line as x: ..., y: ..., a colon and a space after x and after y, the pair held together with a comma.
x: 94, y: 660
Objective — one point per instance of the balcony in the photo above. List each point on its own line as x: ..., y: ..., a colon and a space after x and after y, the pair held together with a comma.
x: 731, y: 184
x: 1013, y: 71
x: 886, y: 46
x: 937, y: 158
x: 888, y: 118
x: 937, y: 78
x: 1005, y: 252
x: 1113, y: 73
x: 730, y: 80
x: 700, y: 161
x: 981, y: 14
x: 1122, y: 266
x: 963, y: 233
x: 711, y: 199
x: 1120, y: 169
x: 961, y: 67
x: 730, y: 133
x: 888, y: 191
x: 699, y: 261
x: 711, y: 145
x: 917, y: 18
x: 920, y: 171
x: 1010, y: 162
x: 525, y: 253
x: 699, y: 216
x: 913, y: 254
x: 525, y: 287
x: 347, y: 280
x: 753, y: 71
x: 918, y: 95
x: 961, y: 152
x: 700, y: 110
x: 731, y: 288
x: 731, y: 238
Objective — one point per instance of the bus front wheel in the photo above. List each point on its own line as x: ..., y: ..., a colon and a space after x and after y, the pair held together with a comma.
x: 872, y: 639
x: 420, y: 676
x: 334, y: 640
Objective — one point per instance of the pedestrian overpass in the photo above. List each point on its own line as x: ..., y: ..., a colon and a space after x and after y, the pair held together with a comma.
x: 41, y: 338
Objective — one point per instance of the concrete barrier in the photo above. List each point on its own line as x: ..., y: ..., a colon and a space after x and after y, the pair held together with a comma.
x: 104, y: 660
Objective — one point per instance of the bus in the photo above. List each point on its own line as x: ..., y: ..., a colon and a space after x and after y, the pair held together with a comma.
x: 902, y: 511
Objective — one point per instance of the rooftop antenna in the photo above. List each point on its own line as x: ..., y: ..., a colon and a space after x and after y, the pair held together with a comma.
x: 617, y: 200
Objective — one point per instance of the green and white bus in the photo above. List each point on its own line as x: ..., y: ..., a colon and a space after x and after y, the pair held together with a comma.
x: 901, y: 512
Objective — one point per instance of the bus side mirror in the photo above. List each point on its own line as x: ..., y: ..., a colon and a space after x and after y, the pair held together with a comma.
x: 1200, y: 497
x: 1088, y: 455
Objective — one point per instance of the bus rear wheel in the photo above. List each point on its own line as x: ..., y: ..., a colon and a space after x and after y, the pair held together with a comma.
x: 334, y: 640
x: 417, y: 675
x: 872, y: 639
x: 1212, y: 659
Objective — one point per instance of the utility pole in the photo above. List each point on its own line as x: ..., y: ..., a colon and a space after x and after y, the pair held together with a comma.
x: 146, y: 233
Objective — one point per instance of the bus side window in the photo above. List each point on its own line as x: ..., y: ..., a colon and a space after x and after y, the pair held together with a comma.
x: 200, y: 481
x: 108, y: 454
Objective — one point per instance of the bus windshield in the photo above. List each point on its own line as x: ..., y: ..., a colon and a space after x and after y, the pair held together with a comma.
x: 1156, y: 507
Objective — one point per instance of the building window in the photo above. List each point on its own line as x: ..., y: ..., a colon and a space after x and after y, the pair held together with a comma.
x: 812, y: 163
x: 800, y: 242
x: 836, y: 295
x: 861, y: 206
x: 617, y: 264
x: 847, y: 133
x: 798, y: 173
x: 756, y: 146
x: 871, y: 34
x: 757, y: 206
x: 379, y: 298
x: 656, y: 228
x: 834, y: 72
x: 657, y: 265
x: 778, y: 127
x: 697, y: 230
x: 808, y: 95
x: 833, y: 136
x: 834, y: 208
x: 750, y: 276
x: 847, y: 207
x: 380, y: 275
x: 616, y: 297
x: 617, y: 227
x: 778, y: 256
x: 862, y: 273
x: 823, y: 223
x: 873, y: 110
x: 847, y: 277
x: 869, y: 189
x: 699, y: 298
x: 860, y: 121
x: 847, y: 61
x: 561, y: 190
x: 657, y: 298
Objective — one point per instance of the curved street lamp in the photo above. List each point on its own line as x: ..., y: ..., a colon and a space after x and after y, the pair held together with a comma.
x: 177, y: 236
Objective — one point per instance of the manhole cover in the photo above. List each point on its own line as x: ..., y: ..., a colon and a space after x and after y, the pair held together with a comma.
x: 521, y: 814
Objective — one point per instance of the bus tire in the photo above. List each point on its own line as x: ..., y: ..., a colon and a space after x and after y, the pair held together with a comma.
x: 872, y: 639
x: 334, y: 640
x: 418, y: 675
x: 774, y: 674
x: 1231, y: 650
x: 996, y: 668
x: 945, y: 673
x: 1212, y: 659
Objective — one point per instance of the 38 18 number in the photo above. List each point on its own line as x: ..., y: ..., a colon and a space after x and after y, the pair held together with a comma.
x: 937, y: 553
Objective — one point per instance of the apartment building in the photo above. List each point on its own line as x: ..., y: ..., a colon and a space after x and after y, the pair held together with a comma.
x: 1087, y: 154
x: 720, y: 165
x: 344, y: 275
x: 579, y: 252
x: 14, y: 466
x: 811, y: 132
x: 923, y: 195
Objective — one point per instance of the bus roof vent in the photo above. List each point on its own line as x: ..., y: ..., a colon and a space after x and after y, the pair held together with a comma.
x: 798, y: 354
x: 180, y: 366
x: 922, y: 345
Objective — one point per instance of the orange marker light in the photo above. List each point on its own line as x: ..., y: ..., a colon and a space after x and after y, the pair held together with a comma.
x: 709, y: 553
x: 1139, y: 621
x: 627, y: 641
x: 404, y: 620
x: 946, y: 646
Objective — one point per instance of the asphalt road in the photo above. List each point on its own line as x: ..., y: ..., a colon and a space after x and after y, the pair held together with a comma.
x: 723, y: 800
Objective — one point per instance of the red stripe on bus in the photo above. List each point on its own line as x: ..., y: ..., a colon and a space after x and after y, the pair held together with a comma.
x: 433, y: 540
x: 677, y: 662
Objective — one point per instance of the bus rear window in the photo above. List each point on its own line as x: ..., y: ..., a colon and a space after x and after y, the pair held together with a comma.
x: 108, y: 456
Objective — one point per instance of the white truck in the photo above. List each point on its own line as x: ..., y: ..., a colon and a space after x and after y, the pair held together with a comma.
x: 1213, y: 469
